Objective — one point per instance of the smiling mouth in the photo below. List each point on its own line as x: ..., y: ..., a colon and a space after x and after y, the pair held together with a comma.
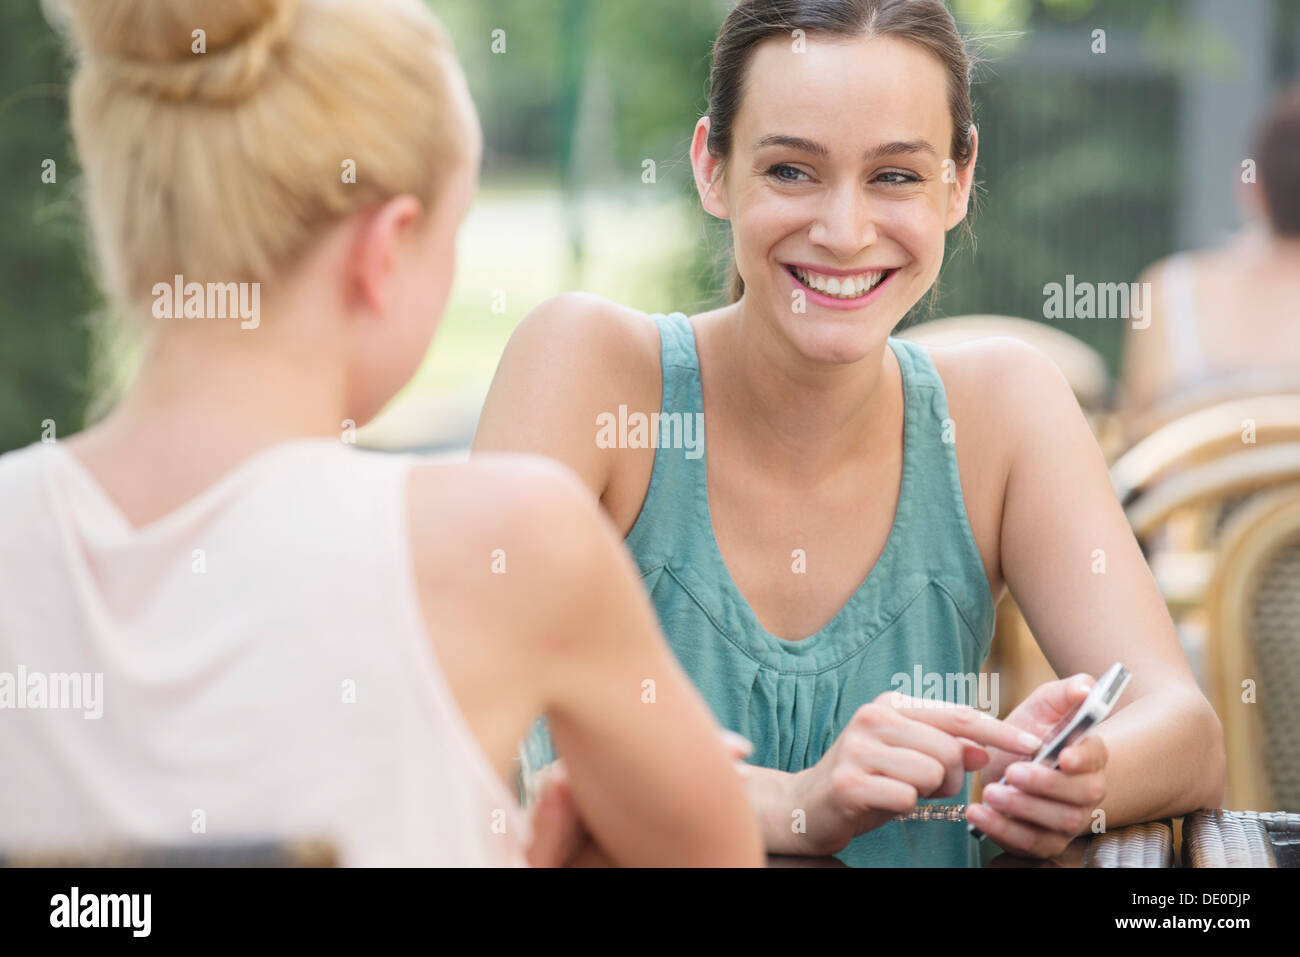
x: 855, y: 286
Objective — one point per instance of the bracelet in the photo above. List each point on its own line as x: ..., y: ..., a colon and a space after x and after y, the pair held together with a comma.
x: 935, y: 812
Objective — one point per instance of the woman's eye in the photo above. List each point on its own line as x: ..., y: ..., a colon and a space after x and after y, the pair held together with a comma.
x: 896, y: 178
x: 786, y: 173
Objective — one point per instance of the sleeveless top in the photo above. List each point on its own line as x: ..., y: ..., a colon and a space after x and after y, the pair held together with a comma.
x: 924, y: 610
x: 254, y: 665
x: 1183, y: 333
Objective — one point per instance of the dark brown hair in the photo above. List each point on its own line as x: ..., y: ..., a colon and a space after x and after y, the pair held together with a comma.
x: 1277, y: 152
x: 924, y: 22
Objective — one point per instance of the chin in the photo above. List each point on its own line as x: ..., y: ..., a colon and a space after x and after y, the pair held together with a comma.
x: 837, y: 329
x: 835, y: 341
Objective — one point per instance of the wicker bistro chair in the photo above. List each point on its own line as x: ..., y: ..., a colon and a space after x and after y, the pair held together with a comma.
x: 1203, y: 435
x: 1250, y: 597
x: 1221, y: 389
x: 1182, y: 482
x: 1150, y: 844
x: 1082, y: 366
x: 1254, y: 618
x: 1241, y: 839
x: 1234, y: 477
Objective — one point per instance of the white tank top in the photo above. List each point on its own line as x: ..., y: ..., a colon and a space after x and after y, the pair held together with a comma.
x: 263, y: 669
x: 1183, y: 335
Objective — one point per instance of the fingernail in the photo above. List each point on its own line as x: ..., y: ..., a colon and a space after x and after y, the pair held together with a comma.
x: 739, y: 742
x: 995, y: 794
x: 1030, y: 741
x: 1018, y: 774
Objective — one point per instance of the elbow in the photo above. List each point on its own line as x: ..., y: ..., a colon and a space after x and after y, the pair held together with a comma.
x: 1214, y: 769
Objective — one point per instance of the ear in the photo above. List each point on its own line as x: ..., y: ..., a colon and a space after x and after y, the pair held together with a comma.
x: 706, y: 167
x: 959, y: 192
x: 378, y: 247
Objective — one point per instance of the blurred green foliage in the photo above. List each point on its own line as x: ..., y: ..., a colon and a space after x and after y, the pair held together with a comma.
x: 1077, y: 172
x: 48, y: 295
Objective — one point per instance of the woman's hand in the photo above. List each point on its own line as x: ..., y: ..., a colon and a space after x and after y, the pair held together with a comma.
x: 894, y: 751
x: 1040, y: 810
x: 559, y: 837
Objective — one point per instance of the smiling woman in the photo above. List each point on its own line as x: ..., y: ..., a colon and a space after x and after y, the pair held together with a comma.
x: 742, y: 40
x: 863, y: 501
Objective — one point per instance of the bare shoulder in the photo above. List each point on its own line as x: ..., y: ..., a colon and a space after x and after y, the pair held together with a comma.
x: 500, y: 548
x: 1003, y: 396
x: 572, y: 360
x: 463, y: 515
x: 999, y: 380
x: 580, y: 332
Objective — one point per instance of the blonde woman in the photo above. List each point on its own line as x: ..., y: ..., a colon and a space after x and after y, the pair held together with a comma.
x: 281, y: 636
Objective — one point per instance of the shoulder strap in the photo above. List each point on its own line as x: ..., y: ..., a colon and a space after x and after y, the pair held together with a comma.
x: 677, y: 498
x: 1183, y: 336
x: 932, y: 502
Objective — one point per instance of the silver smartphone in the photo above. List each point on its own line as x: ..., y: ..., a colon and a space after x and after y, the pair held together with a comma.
x: 1080, y: 721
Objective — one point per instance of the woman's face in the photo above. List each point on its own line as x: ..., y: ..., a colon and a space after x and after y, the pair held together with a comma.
x: 837, y: 188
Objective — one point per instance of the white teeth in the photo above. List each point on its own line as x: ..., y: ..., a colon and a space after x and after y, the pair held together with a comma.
x: 842, y: 287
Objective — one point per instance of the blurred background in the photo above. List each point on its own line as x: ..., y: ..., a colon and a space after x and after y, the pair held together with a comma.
x: 1112, y: 134
x: 1091, y: 163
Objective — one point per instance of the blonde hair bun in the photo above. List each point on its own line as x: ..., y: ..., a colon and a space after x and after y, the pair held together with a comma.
x: 226, y: 165
x: 180, y: 49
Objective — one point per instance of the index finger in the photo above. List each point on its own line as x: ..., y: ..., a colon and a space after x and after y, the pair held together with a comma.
x: 966, y: 722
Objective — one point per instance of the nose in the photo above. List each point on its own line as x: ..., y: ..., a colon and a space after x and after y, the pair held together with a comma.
x: 845, y: 223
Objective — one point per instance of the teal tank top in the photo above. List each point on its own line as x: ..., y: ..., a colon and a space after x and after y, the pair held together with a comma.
x: 923, y: 611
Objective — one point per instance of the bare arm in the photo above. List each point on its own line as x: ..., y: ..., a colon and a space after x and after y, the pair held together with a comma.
x: 1077, y: 573
x: 560, y: 624
x: 572, y: 358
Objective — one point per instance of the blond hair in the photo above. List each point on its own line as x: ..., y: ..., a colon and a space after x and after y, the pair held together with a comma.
x: 220, y: 155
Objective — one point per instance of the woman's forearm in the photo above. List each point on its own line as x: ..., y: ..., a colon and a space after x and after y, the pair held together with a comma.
x: 1166, y: 758
x: 771, y: 794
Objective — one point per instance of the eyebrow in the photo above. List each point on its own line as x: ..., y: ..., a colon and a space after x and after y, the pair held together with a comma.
x: 809, y: 146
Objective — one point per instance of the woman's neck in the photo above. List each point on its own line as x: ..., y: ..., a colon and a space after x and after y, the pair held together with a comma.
x: 805, y: 417
x: 207, y: 398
